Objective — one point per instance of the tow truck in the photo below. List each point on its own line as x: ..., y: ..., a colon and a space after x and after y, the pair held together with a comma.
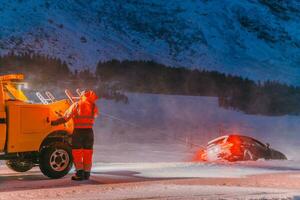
x: 27, y: 138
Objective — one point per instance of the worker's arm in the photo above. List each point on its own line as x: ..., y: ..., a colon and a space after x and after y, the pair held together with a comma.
x: 70, y: 113
x: 58, y: 121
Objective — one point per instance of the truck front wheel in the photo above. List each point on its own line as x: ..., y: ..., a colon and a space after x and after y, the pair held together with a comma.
x: 20, y: 165
x: 56, y: 160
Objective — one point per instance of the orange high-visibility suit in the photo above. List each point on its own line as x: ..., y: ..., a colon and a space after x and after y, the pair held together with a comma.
x: 83, y: 114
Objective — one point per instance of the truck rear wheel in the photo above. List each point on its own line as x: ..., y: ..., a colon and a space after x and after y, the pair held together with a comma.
x: 56, y: 160
x: 20, y: 165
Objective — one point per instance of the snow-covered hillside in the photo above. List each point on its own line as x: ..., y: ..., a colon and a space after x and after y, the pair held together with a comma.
x: 254, y: 38
x: 163, y: 122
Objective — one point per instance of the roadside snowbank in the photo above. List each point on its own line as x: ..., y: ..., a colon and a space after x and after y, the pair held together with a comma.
x: 198, y: 170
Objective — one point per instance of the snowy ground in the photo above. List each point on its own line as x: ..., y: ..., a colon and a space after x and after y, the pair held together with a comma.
x: 262, y: 180
x: 142, y: 156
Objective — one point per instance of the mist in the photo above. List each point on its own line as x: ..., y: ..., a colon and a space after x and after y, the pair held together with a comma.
x: 171, y: 128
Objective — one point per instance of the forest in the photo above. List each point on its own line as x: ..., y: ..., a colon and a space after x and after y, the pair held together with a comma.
x: 112, y: 79
x: 233, y: 92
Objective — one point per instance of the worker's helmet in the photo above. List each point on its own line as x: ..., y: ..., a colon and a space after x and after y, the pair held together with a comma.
x: 89, y: 95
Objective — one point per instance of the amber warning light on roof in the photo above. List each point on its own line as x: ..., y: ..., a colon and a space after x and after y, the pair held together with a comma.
x: 10, y: 77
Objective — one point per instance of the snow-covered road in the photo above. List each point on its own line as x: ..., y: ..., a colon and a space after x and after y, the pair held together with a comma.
x: 251, y: 180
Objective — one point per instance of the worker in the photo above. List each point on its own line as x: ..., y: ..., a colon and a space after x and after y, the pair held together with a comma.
x: 83, y: 114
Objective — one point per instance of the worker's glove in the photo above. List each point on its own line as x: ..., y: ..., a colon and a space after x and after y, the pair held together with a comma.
x: 54, y: 123
x: 58, y: 122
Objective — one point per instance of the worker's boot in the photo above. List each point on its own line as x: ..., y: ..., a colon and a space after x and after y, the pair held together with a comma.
x: 87, y: 175
x: 78, y: 176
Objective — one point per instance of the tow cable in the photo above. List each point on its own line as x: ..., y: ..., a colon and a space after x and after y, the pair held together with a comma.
x: 182, y: 141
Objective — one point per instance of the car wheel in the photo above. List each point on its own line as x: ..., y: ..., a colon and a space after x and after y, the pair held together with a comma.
x: 248, y: 155
x: 56, y: 160
x: 20, y: 165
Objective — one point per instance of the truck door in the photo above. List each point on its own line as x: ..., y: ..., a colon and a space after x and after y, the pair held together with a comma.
x: 28, y: 125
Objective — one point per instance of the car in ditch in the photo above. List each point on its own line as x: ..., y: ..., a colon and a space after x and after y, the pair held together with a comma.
x: 237, y: 148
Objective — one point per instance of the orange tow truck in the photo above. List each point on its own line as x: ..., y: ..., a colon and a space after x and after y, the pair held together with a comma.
x: 27, y: 138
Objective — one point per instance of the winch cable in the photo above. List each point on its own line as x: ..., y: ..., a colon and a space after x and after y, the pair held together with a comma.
x: 74, y: 98
x: 154, y: 129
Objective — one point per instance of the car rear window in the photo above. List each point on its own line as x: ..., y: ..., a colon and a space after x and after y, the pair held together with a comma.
x: 217, y: 141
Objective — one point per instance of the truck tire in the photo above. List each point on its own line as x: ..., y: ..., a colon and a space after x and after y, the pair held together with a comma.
x: 19, y: 165
x: 56, y: 160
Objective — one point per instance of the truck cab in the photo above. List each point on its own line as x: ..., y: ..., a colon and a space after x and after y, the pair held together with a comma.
x: 27, y: 138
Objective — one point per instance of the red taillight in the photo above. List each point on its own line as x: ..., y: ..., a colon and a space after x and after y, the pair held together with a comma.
x: 235, y: 146
x: 200, y: 155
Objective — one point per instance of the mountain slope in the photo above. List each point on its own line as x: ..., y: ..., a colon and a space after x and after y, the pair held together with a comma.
x: 258, y: 39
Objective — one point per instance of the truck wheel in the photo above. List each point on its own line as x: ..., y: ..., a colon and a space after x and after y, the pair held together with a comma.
x: 56, y: 160
x: 19, y: 165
